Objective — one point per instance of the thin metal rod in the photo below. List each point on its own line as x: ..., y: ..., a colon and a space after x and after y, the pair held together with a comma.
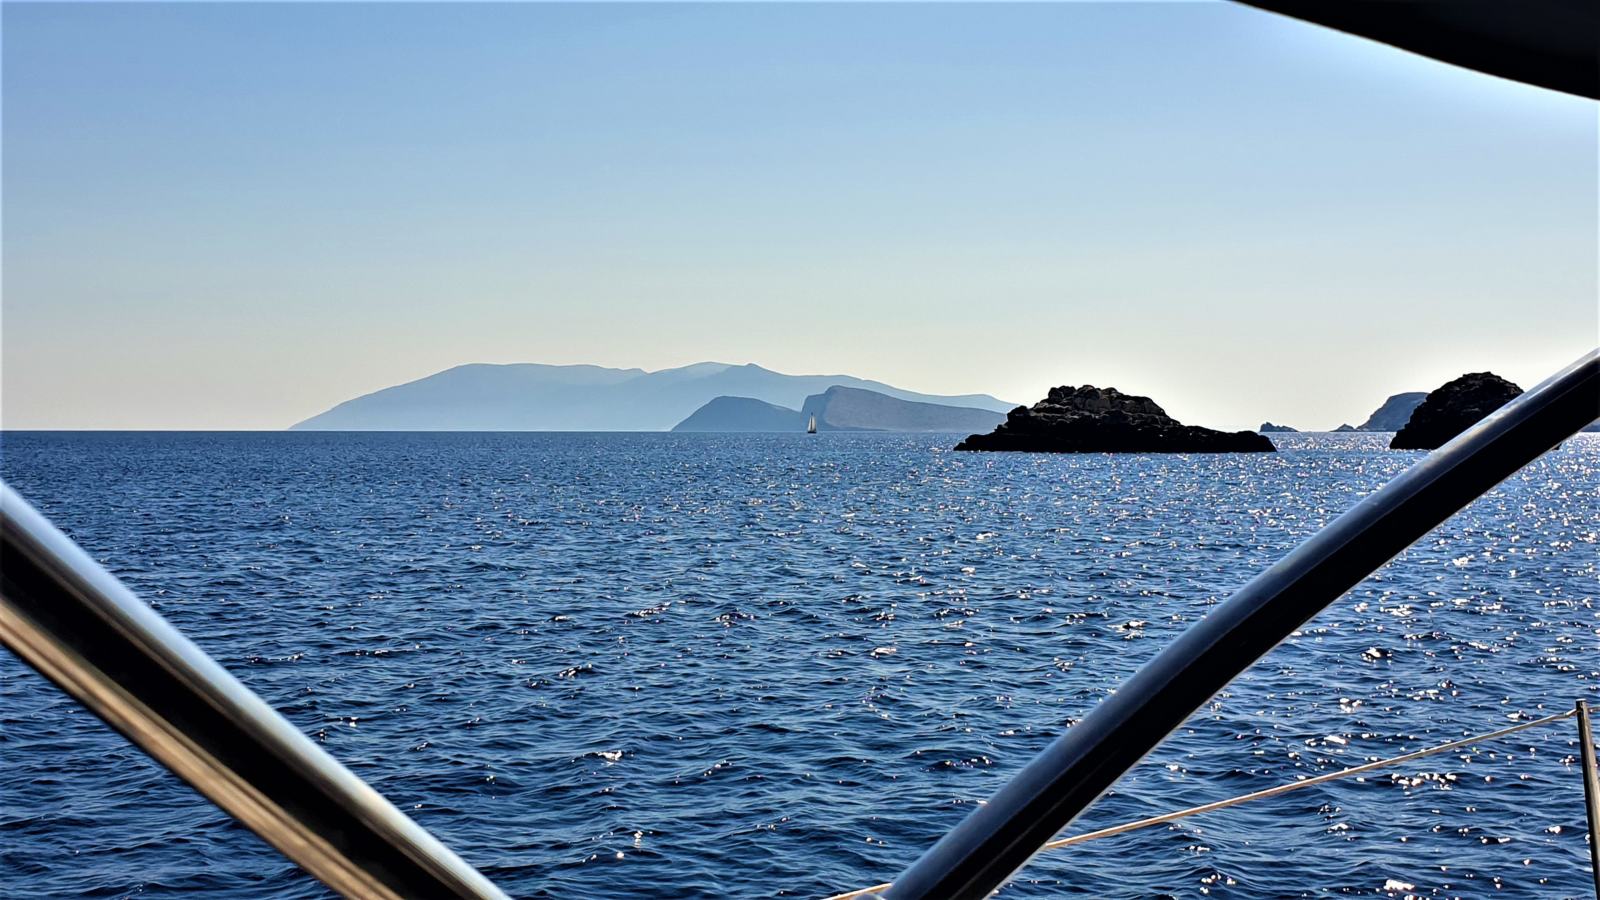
x: 997, y: 838
x: 1591, y: 792
x: 81, y: 628
x: 1264, y: 793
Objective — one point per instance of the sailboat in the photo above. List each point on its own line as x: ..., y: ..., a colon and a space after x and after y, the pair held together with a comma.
x: 811, y: 426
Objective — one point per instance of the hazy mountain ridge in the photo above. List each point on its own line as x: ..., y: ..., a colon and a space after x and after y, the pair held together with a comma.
x: 536, y: 397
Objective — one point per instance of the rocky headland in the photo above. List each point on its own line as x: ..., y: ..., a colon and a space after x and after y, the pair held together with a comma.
x: 1094, y: 420
x: 838, y: 409
x: 1394, y: 413
x: 853, y: 409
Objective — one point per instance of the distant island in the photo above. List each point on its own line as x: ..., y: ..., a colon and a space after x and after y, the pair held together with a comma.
x: 1088, y: 419
x: 1444, y: 412
x: 1394, y: 413
x: 1397, y: 411
x: 1391, y: 416
x: 742, y: 414
x: 533, y: 397
x: 838, y: 409
x: 705, y: 396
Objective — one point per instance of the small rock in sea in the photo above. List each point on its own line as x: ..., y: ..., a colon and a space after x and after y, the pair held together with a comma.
x: 1093, y: 420
x: 1452, y: 409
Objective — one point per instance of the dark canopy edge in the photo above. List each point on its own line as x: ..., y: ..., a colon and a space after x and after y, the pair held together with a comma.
x: 1549, y: 43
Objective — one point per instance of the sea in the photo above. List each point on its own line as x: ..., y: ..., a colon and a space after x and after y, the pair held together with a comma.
x: 697, y: 666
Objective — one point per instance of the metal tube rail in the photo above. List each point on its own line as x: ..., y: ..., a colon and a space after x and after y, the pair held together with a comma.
x: 75, y: 623
x: 1591, y: 791
x: 996, y: 839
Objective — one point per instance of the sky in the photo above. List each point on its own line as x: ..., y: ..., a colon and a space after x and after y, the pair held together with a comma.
x: 223, y: 216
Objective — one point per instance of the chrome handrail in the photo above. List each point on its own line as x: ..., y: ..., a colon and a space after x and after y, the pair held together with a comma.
x: 75, y: 623
x: 999, y: 837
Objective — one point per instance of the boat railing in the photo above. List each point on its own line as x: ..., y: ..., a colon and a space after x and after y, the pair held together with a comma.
x: 70, y: 619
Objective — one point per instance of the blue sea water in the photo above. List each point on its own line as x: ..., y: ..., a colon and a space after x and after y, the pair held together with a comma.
x: 659, y: 665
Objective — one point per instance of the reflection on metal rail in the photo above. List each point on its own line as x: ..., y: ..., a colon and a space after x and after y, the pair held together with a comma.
x: 996, y: 839
x: 70, y: 619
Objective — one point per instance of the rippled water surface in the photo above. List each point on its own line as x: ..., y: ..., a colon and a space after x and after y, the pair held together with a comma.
x: 620, y: 665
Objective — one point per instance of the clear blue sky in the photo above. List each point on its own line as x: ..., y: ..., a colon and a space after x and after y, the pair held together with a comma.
x: 234, y: 216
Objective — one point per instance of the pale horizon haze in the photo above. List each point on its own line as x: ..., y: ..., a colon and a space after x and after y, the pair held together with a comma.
x: 236, y: 216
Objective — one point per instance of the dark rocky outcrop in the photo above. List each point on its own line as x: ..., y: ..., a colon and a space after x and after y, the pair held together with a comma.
x: 1344, y: 428
x: 1091, y: 420
x: 1394, y: 413
x: 1452, y: 409
x: 1268, y: 426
